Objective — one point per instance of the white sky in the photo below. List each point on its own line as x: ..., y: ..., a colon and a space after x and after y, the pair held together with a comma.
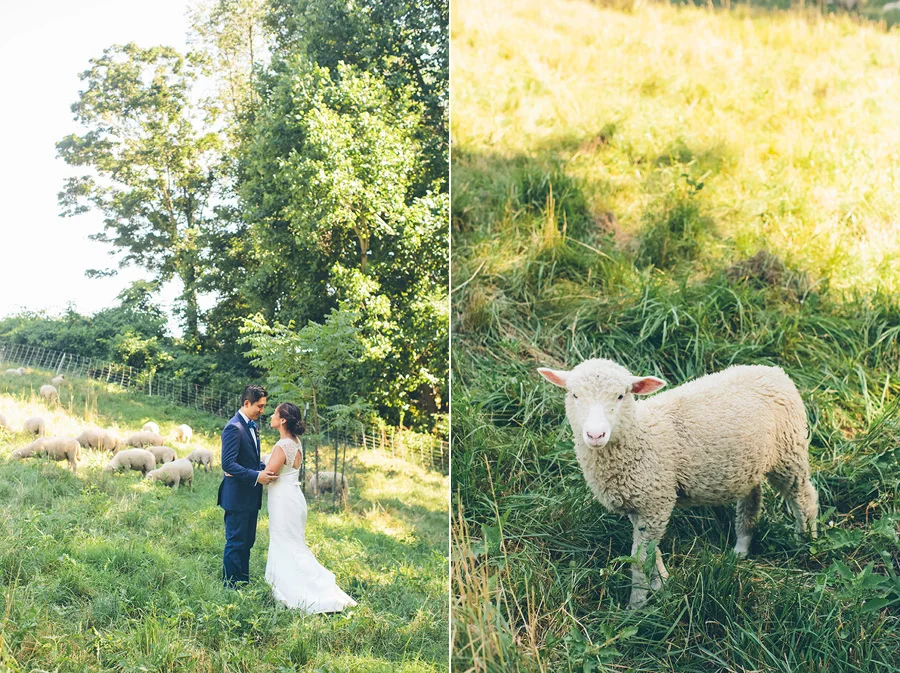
x: 45, y: 45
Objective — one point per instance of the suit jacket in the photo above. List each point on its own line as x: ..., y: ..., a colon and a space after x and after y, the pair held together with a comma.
x: 240, y: 459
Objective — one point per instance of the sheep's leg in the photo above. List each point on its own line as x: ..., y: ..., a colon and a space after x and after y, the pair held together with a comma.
x: 748, y: 509
x: 805, y: 506
x: 647, y: 532
x: 802, y: 498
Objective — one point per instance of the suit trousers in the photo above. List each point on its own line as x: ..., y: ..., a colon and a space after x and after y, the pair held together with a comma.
x: 240, y: 534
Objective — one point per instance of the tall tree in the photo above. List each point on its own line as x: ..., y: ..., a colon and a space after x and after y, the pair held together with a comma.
x: 330, y: 189
x: 154, y: 165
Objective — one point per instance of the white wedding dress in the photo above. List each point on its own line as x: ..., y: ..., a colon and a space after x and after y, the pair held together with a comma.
x: 297, y: 579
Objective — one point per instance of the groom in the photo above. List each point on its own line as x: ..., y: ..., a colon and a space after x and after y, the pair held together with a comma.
x: 240, y: 493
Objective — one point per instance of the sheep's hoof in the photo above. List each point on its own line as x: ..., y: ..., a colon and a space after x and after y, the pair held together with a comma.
x: 638, y: 599
x: 741, y: 552
x: 656, y: 584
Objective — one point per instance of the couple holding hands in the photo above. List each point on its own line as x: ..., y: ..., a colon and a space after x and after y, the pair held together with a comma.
x: 297, y: 579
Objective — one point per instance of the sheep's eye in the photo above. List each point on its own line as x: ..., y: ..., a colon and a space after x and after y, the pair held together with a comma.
x: 621, y: 396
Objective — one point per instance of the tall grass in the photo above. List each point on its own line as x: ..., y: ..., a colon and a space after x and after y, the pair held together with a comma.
x: 680, y: 190
x: 105, y: 572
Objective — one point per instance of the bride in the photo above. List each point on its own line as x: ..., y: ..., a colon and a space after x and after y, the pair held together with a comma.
x: 297, y: 579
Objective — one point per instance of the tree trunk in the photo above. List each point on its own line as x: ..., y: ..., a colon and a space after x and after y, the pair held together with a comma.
x: 191, y: 308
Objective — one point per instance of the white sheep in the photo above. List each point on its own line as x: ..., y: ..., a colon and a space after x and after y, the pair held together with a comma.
x: 145, y: 438
x: 183, y: 433
x: 49, y: 393
x: 891, y: 7
x: 202, y: 457
x: 322, y: 482
x: 711, y: 441
x: 139, y: 460
x: 150, y: 426
x: 58, y: 380
x: 98, y: 438
x: 34, y: 425
x: 162, y: 454
x: 177, y: 472
x: 4, y: 423
x: 56, y: 448
x: 16, y: 372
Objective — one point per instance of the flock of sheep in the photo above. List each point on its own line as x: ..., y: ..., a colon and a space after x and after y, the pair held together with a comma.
x: 144, y: 451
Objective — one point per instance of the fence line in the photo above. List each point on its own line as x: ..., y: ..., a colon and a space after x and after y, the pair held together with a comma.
x: 426, y: 450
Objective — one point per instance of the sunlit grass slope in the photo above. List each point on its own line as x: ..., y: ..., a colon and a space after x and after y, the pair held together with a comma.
x: 108, y: 572
x: 680, y: 190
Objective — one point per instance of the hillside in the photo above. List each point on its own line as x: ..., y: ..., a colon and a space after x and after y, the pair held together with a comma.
x: 112, y: 573
x: 680, y: 190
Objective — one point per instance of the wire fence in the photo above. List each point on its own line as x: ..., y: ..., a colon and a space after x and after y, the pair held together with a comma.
x: 427, y: 450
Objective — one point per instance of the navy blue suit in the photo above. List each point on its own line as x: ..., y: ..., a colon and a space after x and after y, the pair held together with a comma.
x: 241, y: 498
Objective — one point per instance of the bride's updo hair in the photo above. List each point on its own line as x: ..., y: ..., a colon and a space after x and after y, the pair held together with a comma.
x: 292, y: 418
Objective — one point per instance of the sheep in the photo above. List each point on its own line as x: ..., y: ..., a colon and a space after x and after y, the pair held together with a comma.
x: 58, y: 380
x: 183, y: 433
x: 4, y: 423
x: 321, y: 482
x: 201, y: 457
x: 177, y: 472
x: 145, y: 438
x: 891, y: 7
x: 98, y: 438
x: 139, y: 460
x: 163, y: 454
x: 711, y: 441
x: 16, y: 372
x: 34, y: 425
x: 57, y: 448
x: 49, y: 393
x: 150, y: 426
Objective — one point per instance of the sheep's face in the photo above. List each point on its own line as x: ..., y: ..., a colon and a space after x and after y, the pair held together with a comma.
x: 599, y: 391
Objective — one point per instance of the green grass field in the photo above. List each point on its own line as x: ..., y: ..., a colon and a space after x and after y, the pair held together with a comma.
x: 106, y: 572
x: 678, y: 189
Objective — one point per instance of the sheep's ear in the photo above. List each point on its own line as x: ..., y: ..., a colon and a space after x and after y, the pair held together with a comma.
x: 644, y: 385
x: 554, y: 376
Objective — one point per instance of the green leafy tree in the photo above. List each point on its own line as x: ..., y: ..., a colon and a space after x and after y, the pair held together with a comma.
x: 154, y: 165
x: 310, y: 364
x: 329, y: 190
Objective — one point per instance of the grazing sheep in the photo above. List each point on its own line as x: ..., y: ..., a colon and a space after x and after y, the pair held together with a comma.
x: 145, y: 438
x: 324, y: 482
x: 24, y: 452
x: 35, y: 425
x: 891, y: 7
x: 177, y: 472
x: 711, y: 441
x: 16, y: 372
x: 150, y: 426
x: 58, y: 380
x: 202, y: 457
x: 5, y: 423
x: 49, y: 393
x: 56, y: 448
x: 183, y: 433
x: 163, y: 454
x: 139, y: 460
x: 98, y: 438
